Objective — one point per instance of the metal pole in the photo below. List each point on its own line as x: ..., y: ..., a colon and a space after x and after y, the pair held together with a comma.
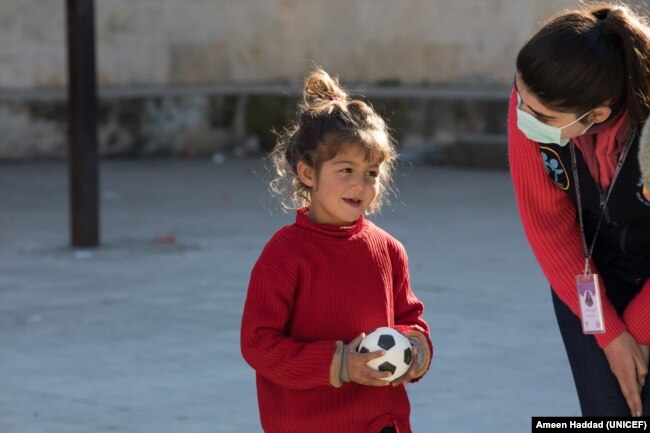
x: 82, y: 124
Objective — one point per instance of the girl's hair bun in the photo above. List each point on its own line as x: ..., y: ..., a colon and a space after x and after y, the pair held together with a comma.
x: 322, y: 92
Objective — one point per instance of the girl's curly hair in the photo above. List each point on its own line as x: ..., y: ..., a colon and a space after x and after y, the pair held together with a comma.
x: 328, y: 121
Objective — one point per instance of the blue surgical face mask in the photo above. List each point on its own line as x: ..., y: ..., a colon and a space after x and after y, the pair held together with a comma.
x: 538, y: 131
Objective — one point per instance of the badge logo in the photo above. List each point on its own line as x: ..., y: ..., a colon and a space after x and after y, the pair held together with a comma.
x: 554, y: 167
x: 644, y: 194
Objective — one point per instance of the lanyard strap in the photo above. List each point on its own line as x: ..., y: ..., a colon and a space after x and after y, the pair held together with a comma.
x: 603, y: 204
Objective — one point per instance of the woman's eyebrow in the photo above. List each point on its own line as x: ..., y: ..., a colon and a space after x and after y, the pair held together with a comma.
x: 540, y: 115
x: 535, y: 112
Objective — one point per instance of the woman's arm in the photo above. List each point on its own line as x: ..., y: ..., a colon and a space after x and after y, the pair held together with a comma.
x: 549, y: 220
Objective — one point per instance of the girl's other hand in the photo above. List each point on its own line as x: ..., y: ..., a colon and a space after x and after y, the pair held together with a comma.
x: 412, y: 372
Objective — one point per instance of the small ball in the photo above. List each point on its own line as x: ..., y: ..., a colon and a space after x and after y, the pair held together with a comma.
x: 398, y: 356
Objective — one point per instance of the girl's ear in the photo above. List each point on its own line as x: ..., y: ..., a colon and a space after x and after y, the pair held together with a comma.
x: 306, y: 174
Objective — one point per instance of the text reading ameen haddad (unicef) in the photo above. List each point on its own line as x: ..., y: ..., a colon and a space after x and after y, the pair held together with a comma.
x: 599, y: 424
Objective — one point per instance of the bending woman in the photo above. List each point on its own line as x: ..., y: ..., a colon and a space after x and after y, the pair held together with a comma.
x: 581, y: 95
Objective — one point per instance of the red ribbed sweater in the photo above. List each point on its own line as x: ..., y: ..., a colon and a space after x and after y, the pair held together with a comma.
x: 313, y: 285
x: 549, y: 219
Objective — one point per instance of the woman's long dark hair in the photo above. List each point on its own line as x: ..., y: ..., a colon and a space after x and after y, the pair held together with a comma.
x: 594, y: 56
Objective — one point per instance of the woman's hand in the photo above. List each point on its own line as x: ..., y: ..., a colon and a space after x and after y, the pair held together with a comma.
x: 629, y: 363
x: 645, y: 349
x: 358, y: 370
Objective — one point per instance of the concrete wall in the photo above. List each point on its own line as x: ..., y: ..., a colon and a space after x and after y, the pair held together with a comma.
x: 171, y: 43
x: 189, y: 41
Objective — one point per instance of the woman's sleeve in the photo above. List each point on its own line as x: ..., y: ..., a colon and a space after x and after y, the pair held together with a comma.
x: 637, y: 315
x: 264, y: 345
x: 549, y: 220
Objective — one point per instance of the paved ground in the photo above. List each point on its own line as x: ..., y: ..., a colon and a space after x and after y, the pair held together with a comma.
x: 142, y: 337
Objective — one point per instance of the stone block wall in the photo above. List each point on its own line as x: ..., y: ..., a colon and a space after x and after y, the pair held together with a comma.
x: 158, y: 44
x: 192, y: 41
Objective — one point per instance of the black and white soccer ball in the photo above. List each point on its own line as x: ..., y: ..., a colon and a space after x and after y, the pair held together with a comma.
x: 398, y: 356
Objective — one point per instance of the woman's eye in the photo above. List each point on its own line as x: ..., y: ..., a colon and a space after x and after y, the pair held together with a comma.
x: 373, y: 173
x: 346, y: 170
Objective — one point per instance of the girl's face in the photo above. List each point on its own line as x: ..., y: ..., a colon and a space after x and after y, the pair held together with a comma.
x: 343, y: 189
x: 532, y: 105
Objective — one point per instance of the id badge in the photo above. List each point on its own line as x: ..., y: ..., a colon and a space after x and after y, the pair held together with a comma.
x: 591, y: 310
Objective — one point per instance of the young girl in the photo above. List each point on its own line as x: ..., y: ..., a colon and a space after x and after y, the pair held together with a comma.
x: 323, y: 282
x: 581, y: 95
